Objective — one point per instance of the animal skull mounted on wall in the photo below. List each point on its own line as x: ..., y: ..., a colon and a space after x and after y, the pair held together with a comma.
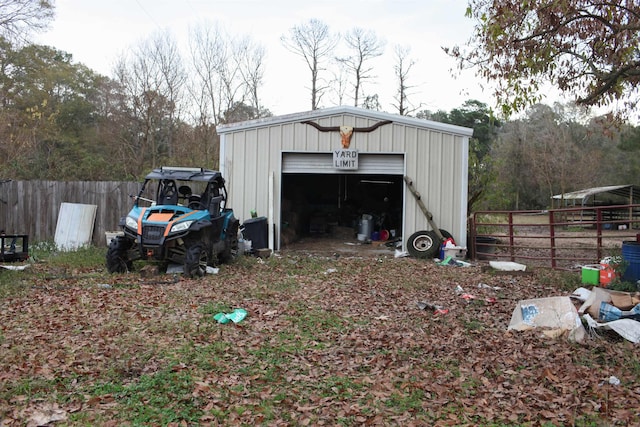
x: 346, y: 131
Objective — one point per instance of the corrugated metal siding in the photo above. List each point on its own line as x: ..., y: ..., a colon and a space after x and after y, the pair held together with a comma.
x: 383, y: 164
x: 435, y: 163
x: 434, y: 159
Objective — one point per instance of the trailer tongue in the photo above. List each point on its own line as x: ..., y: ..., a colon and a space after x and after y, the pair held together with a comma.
x: 424, y: 243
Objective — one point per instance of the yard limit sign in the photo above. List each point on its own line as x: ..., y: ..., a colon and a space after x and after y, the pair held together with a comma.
x: 346, y: 159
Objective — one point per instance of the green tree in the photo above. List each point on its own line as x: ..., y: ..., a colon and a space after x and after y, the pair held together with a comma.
x: 544, y: 153
x: 241, y: 112
x: 630, y: 139
x: 622, y: 152
x: 477, y: 116
x: 48, y: 112
x: 588, y: 49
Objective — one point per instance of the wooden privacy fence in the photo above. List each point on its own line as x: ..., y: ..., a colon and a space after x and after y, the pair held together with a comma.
x: 32, y: 207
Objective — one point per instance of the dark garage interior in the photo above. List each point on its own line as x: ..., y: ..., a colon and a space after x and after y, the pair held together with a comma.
x: 333, y: 205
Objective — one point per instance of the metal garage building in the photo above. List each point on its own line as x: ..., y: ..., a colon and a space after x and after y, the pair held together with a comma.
x: 316, y: 170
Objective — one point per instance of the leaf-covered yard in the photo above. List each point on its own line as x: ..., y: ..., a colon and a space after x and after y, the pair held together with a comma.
x: 326, y: 342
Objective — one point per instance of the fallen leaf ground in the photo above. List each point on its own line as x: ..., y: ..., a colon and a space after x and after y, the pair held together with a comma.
x: 326, y: 342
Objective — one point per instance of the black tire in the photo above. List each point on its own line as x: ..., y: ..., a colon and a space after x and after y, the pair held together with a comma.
x: 445, y: 234
x: 230, y: 251
x: 117, y: 255
x: 195, y: 261
x: 425, y: 244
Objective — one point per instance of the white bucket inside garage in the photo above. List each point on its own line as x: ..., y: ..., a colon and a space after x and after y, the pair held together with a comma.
x: 365, y: 227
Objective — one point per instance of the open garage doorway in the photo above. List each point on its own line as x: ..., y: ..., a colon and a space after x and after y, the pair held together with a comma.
x: 334, y: 206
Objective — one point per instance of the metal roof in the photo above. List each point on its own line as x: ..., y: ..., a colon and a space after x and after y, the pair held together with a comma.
x: 184, y: 174
x: 328, y: 112
x: 626, y: 191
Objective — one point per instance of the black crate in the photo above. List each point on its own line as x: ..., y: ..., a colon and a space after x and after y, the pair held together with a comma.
x: 14, y: 247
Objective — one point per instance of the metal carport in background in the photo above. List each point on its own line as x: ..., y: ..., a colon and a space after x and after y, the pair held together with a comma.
x: 624, y: 194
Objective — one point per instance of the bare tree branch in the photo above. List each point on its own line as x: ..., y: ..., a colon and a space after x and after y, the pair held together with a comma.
x: 18, y: 18
x: 364, y: 46
x: 315, y: 44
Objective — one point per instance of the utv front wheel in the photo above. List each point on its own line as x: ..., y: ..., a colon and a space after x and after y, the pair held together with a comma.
x: 195, y: 261
x: 117, y: 255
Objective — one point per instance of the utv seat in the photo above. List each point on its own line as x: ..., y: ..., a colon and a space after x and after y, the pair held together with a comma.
x: 214, y: 205
x: 169, y: 194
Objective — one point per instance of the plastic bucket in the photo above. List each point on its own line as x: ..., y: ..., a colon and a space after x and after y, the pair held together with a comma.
x: 631, y: 256
x: 365, y: 226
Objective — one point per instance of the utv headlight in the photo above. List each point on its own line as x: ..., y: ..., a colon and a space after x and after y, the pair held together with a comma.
x: 132, y: 223
x: 181, y: 226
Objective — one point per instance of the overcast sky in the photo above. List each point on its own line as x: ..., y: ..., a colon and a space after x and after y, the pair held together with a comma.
x: 97, y: 32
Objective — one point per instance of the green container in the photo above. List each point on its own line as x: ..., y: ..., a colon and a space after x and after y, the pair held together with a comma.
x: 591, y: 274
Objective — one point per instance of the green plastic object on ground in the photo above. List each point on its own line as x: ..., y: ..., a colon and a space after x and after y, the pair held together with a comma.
x: 235, y: 316
x: 447, y: 261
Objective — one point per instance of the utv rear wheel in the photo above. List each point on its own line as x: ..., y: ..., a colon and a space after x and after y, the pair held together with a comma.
x: 230, y: 243
x: 117, y: 255
x: 196, y: 261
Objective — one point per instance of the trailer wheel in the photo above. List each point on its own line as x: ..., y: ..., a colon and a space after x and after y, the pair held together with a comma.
x: 425, y: 244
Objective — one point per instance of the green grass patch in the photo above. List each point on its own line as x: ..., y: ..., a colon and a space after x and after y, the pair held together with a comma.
x: 410, y: 401
x: 619, y: 285
x: 313, y: 324
x: 287, y: 284
x: 213, y: 308
x: 305, y: 266
x: 563, y: 280
x: 46, y: 263
x: 13, y: 283
x: 158, y: 399
x: 337, y: 387
x: 473, y: 325
x: 85, y: 257
x: 205, y: 357
x: 270, y: 358
x: 31, y: 388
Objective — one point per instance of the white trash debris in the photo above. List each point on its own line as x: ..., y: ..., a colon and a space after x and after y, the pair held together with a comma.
x: 507, y: 266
